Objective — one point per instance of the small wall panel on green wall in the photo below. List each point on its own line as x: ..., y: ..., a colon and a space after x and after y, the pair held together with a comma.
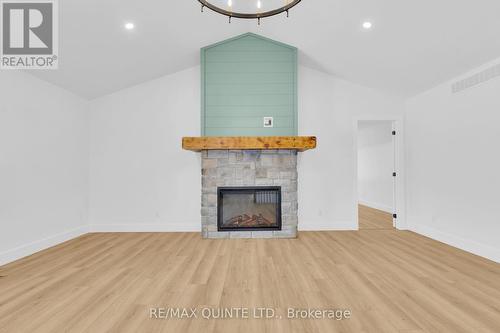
x: 245, y: 79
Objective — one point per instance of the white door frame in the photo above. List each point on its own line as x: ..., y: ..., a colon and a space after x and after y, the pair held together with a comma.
x: 399, y: 158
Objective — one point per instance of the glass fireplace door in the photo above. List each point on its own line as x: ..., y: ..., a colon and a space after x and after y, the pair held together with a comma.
x: 249, y: 208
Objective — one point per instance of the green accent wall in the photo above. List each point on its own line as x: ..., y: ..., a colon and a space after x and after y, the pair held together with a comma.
x: 245, y: 79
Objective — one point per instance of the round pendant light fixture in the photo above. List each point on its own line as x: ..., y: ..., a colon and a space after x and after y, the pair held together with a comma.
x: 249, y: 9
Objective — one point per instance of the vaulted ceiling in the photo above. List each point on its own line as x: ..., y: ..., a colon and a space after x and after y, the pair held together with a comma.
x: 413, y: 46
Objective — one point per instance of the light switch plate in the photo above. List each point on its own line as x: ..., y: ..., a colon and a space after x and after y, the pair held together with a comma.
x: 268, y: 122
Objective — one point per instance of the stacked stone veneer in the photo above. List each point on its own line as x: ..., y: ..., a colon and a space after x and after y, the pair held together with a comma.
x: 249, y: 168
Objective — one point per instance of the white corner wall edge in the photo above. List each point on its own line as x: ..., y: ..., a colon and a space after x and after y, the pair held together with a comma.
x: 460, y: 243
x: 40, y: 245
x: 147, y: 227
x: 376, y: 205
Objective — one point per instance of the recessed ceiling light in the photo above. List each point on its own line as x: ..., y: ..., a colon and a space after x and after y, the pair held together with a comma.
x: 129, y: 26
x: 367, y: 25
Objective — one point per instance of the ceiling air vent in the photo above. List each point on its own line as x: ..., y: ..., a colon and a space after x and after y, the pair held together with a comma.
x: 476, y: 79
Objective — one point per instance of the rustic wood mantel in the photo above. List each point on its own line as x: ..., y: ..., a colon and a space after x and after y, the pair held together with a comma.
x: 299, y: 143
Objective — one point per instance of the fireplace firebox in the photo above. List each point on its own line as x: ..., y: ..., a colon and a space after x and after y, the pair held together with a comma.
x: 249, y: 208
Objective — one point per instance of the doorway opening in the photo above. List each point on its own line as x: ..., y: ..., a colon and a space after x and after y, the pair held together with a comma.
x: 376, y: 174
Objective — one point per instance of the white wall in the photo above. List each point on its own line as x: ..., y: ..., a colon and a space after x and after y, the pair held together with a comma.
x: 43, y: 165
x: 453, y: 163
x: 140, y: 178
x: 329, y: 108
x: 375, y: 164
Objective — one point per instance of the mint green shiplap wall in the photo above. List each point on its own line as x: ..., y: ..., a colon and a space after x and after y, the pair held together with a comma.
x: 245, y: 79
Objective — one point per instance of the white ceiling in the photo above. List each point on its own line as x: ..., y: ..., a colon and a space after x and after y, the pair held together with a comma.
x: 413, y: 45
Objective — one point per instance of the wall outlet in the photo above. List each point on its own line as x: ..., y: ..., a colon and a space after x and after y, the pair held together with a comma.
x: 268, y: 122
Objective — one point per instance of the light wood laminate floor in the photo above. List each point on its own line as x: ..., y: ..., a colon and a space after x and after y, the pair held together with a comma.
x: 392, y: 281
x: 371, y: 218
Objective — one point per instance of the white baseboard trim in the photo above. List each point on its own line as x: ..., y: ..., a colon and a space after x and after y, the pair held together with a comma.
x: 401, y: 225
x: 156, y: 227
x: 153, y: 227
x: 376, y: 205
x: 481, y: 250
x: 39, y: 245
x: 327, y: 226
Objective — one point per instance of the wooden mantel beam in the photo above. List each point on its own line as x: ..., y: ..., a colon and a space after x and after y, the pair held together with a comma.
x: 300, y: 143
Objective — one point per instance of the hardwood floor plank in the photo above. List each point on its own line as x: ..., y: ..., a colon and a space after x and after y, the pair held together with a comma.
x: 374, y: 219
x: 391, y: 281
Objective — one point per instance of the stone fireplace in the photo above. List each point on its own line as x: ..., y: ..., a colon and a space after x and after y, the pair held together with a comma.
x: 249, y: 185
x: 247, y: 171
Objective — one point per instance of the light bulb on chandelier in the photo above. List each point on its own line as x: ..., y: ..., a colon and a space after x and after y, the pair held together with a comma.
x: 244, y: 9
